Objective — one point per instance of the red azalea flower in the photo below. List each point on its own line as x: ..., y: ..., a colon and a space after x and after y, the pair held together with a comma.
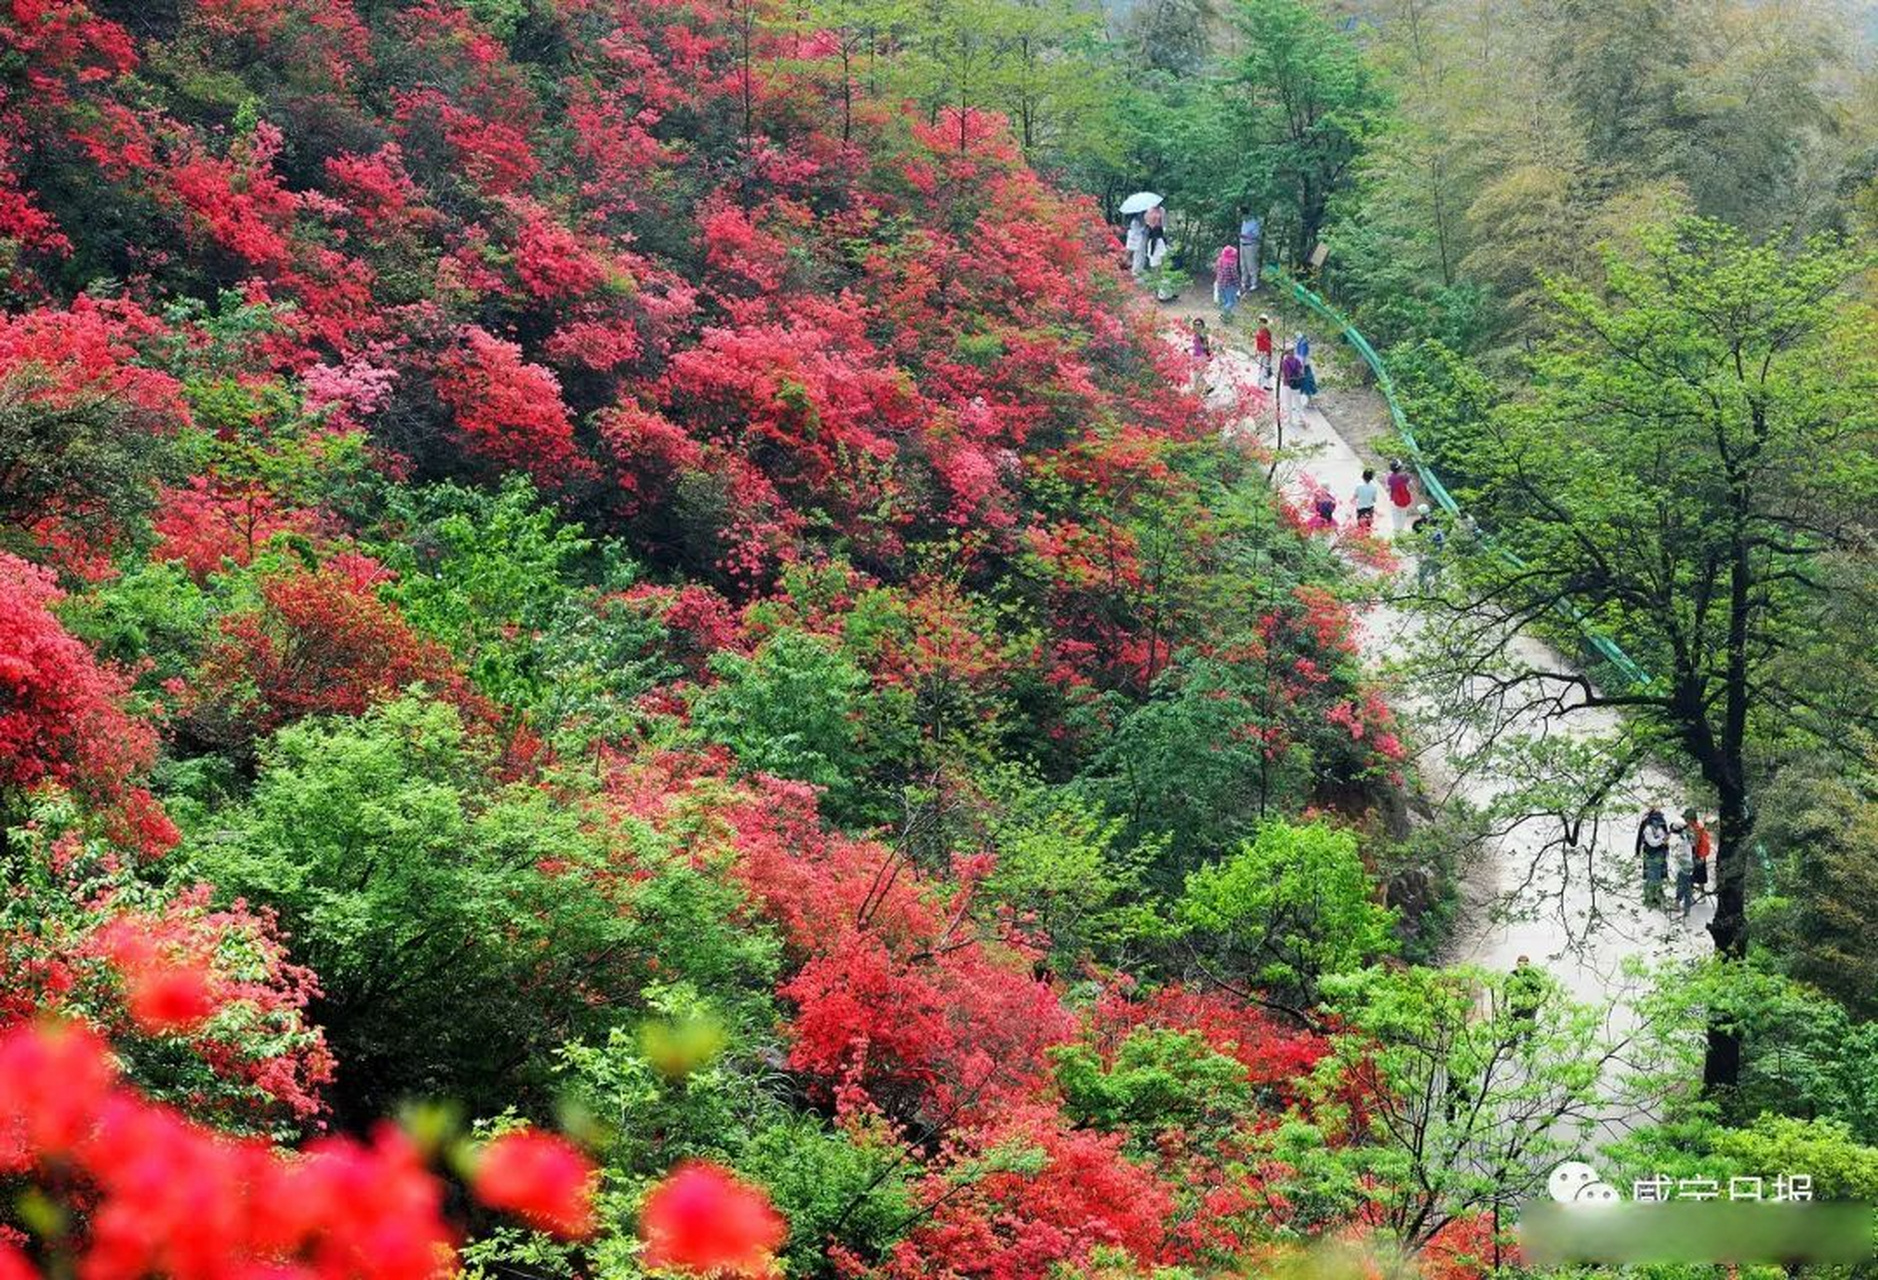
x: 13, y: 1264
x: 703, y: 1219
x: 165, y: 998
x: 539, y: 1177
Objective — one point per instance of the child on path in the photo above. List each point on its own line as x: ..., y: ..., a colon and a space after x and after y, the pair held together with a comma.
x: 1400, y: 499
x: 1366, y: 501
x: 1262, y: 349
x: 1226, y: 281
x: 1202, y: 355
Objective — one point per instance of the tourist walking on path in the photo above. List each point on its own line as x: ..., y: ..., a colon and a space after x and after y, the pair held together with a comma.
x: 1262, y: 350
x: 1701, y: 845
x: 1307, y: 381
x: 1400, y: 499
x: 1290, y: 380
x: 1366, y: 501
x: 1250, y: 231
x: 1525, y: 992
x: 1685, y: 870
x: 1137, y: 245
x: 1202, y: 355
x: 1226, y: 281
x: 1325, y: 508
x: 1653, y: 848
x: 1156, y: 222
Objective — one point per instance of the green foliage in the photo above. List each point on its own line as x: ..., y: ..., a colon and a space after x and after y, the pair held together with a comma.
x: 491, y: 575
x: 794, y: 708
x: 1303, y: 105
x: 87, y: 459
x: 1064, y: 862
x: 1469, y: 1102
x: 1821, y: 825
x: 838, y: 1187
x: 1292, y: 906
x: 1803, y: 1055
x: 152, y: 612
x: 451, y: 957
x: 1156, y: 1079
x: 1180, y: 767
x: 1841, y: 1167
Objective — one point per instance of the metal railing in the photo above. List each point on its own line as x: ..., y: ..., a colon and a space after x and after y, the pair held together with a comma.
x: 1431, y: 483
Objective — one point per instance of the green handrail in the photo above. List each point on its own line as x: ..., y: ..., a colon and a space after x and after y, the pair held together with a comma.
x: 1431, y: 483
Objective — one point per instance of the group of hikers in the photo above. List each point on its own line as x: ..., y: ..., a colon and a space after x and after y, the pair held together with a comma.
x: 1401, y: 494
x: 1292, y: 372
x: 1686, y: 844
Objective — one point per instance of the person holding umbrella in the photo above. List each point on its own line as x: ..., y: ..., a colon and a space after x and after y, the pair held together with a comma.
x: 1142, y: 231
x: 1156, y: 218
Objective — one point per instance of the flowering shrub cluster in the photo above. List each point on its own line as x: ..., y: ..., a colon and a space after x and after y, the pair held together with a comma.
x: 543, y: 561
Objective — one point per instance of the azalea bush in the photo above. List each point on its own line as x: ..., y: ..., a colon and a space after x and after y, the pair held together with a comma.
x: 548, y: 575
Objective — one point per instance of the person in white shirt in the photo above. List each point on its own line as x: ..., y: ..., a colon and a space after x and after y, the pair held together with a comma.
x: 1366, y: 501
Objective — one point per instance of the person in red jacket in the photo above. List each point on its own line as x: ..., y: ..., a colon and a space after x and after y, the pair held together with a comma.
x: 1262, y: 346
x: 1702, y: 846
x: 1401, y: 498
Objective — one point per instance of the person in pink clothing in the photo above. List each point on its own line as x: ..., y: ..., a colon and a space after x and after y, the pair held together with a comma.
x: 1226, y: 281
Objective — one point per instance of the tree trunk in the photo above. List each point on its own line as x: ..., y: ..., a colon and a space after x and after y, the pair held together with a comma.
x: 1721, y: 1066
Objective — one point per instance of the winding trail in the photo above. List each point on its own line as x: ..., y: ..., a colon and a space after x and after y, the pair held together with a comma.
x: 1520, y: 898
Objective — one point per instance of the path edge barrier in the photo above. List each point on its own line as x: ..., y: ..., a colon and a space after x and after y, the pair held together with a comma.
x: 1606, y: 647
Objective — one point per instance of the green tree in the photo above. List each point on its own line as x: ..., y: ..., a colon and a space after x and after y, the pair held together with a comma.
x: 1469, y: 1103
x: 1821, y: 826
x: 1304, y: 105
x: 87, y: 459
x: 1155, y: 1080
x: 793, y: 709
x: 450, y: 960
x: 1066, y: 863
x: 488, y: 574
x: 1292, y: 906
x: 1697, y: 447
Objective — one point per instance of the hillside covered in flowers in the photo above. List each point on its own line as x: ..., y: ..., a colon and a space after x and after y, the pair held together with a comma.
x: 558, y: 573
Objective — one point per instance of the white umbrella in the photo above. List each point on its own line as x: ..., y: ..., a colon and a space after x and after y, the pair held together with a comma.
x: 1139, y: 202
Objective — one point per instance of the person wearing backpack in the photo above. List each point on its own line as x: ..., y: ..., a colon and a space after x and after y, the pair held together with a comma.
x: 1653, y: 837
x: 1401, y: 498
x: 1290, y: 380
